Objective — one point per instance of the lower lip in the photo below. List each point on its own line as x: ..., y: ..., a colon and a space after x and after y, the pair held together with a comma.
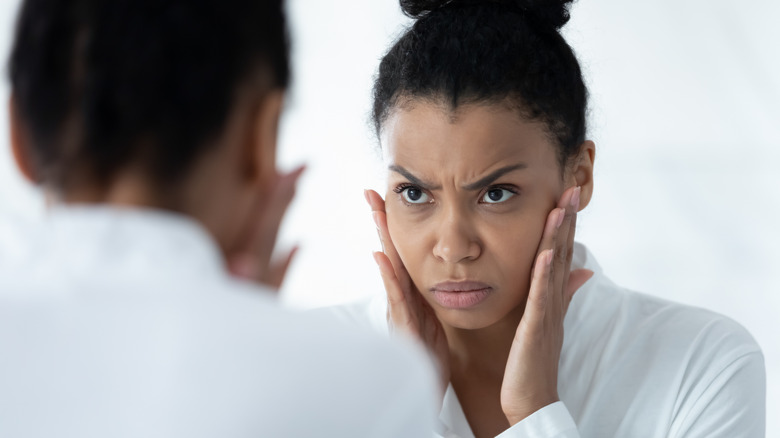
x: 460, y: 300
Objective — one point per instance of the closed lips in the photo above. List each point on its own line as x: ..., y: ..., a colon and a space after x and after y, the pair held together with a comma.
x: 459, y: 286
x: 460, y: 295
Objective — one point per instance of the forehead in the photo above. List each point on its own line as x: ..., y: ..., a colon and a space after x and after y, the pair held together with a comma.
x: 428, y: 135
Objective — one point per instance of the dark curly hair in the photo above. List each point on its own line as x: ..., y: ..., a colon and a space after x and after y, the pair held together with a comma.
x: 488, y: 51
x: 100, y: 84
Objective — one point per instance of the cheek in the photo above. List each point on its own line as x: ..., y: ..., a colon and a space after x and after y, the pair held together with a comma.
x: 405, y: 236
x: 411, y: 240
x: 513, y: 246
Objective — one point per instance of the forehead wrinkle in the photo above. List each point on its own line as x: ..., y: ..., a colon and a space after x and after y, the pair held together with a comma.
x: 460, y: 151
x: 413, y: 178
x: 493, y: 176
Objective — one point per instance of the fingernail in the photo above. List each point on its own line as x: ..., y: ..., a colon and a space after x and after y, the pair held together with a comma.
x: 561, y: 214
x: 365, y: 195
x: 244, y: 268
x: 575, y: 197
x: 375, y: 215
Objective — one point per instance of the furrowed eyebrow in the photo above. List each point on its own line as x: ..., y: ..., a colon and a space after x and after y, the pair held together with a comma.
x: 487, y: 180
x: 413, y: 179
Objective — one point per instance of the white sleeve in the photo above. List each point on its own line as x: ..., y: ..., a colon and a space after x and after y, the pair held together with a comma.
x: 552, y: 421
x: 732, y: 404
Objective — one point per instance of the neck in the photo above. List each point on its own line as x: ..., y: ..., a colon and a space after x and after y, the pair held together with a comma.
x: 125, y: 190
x: 211, y: 198
x: 483, y: 351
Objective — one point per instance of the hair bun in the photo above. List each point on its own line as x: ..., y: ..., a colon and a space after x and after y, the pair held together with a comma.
x: 548, y: 13
x: 419, y: 8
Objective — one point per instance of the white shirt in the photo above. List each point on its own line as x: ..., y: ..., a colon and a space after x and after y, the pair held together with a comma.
x: 633, y: 365
x: 125, y: 324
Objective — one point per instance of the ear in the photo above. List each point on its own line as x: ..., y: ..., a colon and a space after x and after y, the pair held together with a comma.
x: 260, y: 148
x: 582, y: 172
x: 20, y: 144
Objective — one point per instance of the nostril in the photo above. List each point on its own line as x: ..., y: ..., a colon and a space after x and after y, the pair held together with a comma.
x: 454, y: 251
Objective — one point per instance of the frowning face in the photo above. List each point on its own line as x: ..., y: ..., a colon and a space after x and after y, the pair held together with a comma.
x: 468, y: 194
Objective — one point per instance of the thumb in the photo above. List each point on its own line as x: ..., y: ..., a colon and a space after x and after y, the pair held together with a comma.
x: 278, y: 271
x: 577, y: 278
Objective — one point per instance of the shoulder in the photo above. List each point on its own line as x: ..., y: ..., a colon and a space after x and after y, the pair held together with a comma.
x: 636, y: 352
x: 603, y: 310
x: 345, y: 374
x: 219, y: 353
x: 309, y: 373
x: 609, y: 316
x: 680, y: 366
x: 325, y: 342
x: 670, y: 326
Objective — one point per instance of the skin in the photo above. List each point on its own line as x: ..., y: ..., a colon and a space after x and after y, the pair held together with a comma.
x: 501, y: 355
x: 233, y: 190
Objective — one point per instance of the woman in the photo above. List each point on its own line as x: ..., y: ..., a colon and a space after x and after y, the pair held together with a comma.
x: 480, y: 109
x: 151, y: 127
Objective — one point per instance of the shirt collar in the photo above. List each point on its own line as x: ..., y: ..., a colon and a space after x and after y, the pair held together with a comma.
x: 452, y: 416
x: 108, y: 240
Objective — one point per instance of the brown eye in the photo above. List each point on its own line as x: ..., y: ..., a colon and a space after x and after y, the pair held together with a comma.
x: 496, y: 195
x: 414, y: 195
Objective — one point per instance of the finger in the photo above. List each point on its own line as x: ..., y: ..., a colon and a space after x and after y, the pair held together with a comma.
x: 566, y: 289
x: 247, y: 266
x: 577, y: 278
x: 270, y: 213
x: 547, y: 243
x: 538, y: 295
x: 413, y: 297
x: 380, y: 220
x: 553, y: 222
x: 379, y: 216
x: 377, y: 205
x: 250, y: 259
x: 399, y: 316
x: 575, y: 204
x: 374, y: 200
x: 415, y: 302
x: 278, y: 270
x: 258, y: 235
x: 244, y: 265
x: 563, y: 244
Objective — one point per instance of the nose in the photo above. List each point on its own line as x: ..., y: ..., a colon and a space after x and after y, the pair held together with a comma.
x: 457, y: 239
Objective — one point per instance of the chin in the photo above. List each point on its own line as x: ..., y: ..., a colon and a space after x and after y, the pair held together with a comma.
x: 473, y: 319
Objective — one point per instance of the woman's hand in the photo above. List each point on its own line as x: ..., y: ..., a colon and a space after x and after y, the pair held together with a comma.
x: 531, y: 376
x: 407, y: 312
x: 253, y: 260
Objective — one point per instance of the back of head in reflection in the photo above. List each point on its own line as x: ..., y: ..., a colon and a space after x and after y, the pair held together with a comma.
x: 161, y: 104
x: 151, y: 126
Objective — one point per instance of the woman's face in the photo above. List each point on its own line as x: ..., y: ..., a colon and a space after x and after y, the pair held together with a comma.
x: 467, y: 198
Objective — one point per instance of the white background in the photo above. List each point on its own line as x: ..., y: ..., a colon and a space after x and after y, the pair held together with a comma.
x: 685, y: 113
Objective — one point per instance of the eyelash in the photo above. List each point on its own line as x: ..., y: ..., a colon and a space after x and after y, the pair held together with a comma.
x: 399, y: 190
x: 403, y: 186
x: 510, y: 189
